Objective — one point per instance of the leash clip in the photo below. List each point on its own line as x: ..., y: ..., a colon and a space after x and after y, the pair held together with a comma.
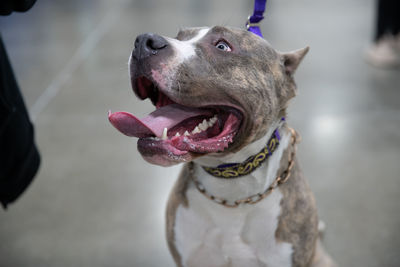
x: 251, y: 24
x: 253, y: 21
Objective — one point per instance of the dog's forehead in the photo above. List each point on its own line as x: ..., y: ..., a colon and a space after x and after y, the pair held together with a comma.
x: 191, y: 33
x: 245, y: 39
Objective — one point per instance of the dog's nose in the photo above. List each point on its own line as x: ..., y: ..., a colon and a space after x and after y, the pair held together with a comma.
x: 149, y: 44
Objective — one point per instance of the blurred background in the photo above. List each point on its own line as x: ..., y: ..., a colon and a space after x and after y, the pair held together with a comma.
x: 96, y: 202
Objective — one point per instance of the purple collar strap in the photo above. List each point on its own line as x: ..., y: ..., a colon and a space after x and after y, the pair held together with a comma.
x: 253, y: 22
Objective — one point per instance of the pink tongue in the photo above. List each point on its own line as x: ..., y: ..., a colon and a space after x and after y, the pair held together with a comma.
x: 154, y: 123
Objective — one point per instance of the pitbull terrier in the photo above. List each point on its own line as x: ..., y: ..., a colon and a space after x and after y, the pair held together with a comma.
x: 221, y: 96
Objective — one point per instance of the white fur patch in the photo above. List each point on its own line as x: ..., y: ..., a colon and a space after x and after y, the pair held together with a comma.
x: 186, y: 49
x: 208, y: 234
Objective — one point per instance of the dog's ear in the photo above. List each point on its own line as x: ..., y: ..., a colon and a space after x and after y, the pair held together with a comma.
x: 291, y: 60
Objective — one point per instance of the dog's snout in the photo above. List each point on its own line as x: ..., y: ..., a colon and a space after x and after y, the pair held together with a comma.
x: 149, y: 44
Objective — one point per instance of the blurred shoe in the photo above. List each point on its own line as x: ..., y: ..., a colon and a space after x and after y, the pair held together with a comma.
x: 385, y: 53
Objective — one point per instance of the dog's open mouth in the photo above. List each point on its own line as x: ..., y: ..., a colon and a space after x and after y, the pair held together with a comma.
x: 174, y: 130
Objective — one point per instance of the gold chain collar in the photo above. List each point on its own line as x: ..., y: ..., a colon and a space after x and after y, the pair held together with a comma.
x: 253, y: 199
x: 235, y: 170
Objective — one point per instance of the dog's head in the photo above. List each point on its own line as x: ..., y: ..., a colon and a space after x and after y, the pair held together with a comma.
x: 215, y: 90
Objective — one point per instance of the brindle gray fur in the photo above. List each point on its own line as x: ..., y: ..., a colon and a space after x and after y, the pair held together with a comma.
x: 298, y: 222
x: 257, y: 79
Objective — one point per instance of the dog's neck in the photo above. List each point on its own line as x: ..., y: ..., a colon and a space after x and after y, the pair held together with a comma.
x: 255, y: 182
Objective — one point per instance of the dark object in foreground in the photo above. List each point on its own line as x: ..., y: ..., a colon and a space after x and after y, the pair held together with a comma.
x: 19, y: 157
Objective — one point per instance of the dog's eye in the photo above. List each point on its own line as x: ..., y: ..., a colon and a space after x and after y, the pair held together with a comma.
x: 221, y: 45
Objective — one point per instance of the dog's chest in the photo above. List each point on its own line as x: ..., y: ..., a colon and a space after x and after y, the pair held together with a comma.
x: 208, y: 234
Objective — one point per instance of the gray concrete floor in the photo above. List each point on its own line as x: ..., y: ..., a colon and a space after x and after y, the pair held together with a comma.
x: 95, y: 202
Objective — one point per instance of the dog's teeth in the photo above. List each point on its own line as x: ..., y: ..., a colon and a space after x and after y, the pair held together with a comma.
x: 213, y: 120
x: 204, y: 125
x: 177, y: 134
x: 164, y: 134
x: 186, y: 133
x: 196, y: 130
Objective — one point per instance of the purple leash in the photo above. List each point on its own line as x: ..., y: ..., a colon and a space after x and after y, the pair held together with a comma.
x: 253, y: 22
